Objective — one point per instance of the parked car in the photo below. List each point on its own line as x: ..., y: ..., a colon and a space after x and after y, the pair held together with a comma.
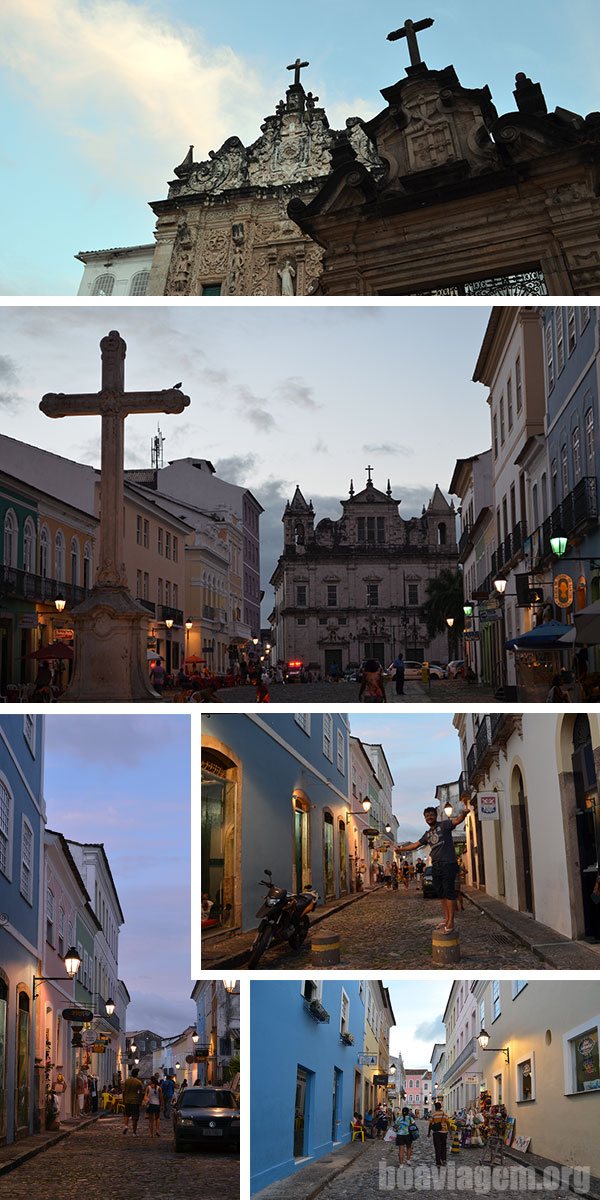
x: 427, y: 885
x: 205, y: 1116
x: 412, y: 670
x: 456, y: 668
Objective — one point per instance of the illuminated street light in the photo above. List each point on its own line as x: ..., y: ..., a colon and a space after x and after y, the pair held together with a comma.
x: 500, y: 585
x: 60, y: 603
x: 558, y: 544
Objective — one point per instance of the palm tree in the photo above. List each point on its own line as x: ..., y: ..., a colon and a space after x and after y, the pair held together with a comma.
x: 445, y: 599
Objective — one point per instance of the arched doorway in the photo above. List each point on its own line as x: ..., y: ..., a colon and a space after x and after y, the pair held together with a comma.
x: 301, y: 872
x: 23, y: 1071
x: 520, y: 819
x: 587, y: 817
x: 343, y: 856
x: 328, y: 856
x: 218, y: 839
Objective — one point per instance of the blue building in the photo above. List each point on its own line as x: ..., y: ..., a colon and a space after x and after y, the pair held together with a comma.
x: 21, y: 845
x: 275, y: 794
x: 306, y: 1037
x: 573, y: 449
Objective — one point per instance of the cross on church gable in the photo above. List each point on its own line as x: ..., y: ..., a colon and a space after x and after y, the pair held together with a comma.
x: 368, y: 470
x: 297, y: 67
x: 409, y: 30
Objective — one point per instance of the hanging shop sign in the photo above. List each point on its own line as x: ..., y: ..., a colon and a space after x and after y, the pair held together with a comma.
x: 64, y: 635
x: 488, y: 806
x: 81, y: 1015
x: 367, y: 1060
x: 28, y: 621
x: 98, y: 1048
x: 486, y: 615
x: 563, y: 591
x: 381, y: 1079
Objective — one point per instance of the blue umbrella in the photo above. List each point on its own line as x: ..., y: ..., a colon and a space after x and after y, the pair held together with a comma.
x: 545, y: 636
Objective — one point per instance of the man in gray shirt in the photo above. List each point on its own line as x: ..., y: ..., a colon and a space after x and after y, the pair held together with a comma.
x: 443, y: 860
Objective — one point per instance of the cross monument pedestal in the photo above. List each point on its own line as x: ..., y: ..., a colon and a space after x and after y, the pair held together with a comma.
x: 110, y: 625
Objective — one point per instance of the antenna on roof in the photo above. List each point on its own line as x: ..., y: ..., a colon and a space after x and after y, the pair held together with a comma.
x: 156, y: 450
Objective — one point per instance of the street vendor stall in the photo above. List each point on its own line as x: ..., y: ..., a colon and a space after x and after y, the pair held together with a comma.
x: 540, y: 655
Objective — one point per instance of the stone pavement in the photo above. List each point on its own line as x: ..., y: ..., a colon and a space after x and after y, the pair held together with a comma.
x: 555, y: 949
x: 388, y: 930
x: 97, y: 1163
x: 443, y: 691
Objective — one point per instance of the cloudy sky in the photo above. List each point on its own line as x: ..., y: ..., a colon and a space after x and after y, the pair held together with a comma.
x: 105, y: 96
x: 308, y: 396
x: 422, y: 751
x: 418, y: 1009
x: 112, y: 780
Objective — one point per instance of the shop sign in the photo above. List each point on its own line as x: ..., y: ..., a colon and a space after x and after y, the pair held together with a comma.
x: 28, y: 621
x: 492, y: 614
x: 367, y: 1060
x: 64, y: 635
x: 81, y: 1015
x: 98, y: 1048
x: 381, y: 1079
x: 563, y: 591
x: 471, y: 636
x: 488, y: 806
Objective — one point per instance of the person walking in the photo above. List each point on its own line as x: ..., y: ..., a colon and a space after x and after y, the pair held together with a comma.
x: 133, y: 1091
x: 157, y: 676
x: 443, y: 860
x: 372, y: 683
x: 381, y: 1121
x: 438, y: 1128
x: 398, y: 667
x: 404, y: 1127
x: 419, y: 868
x: 167, y: 1087
x: 152, y: 1102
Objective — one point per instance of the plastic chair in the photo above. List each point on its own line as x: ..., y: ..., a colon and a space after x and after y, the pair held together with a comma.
x: 358, y: 1133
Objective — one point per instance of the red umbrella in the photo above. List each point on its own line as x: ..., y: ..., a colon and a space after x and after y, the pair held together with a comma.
x: 193, y: 658
x: 53, y: 651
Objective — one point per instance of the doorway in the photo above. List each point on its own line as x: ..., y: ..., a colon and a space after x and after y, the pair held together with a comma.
x: 301, y: 1113
x: 328, y: 856
x: 343, y: 856
x: 333, y: 658
x: 23, y: 1062
x: 336, y: 1104
x: 301, y: 864
x: 375, y: 650
x: 588, y: 822
x: 523, y: 871
x: 218, y: 841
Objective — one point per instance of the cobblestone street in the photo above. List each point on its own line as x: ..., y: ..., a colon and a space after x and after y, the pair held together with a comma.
x: 443, y: 691
x: 98, y: 1163
x: 388, y: 930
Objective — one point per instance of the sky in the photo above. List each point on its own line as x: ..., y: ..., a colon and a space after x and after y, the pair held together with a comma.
x: 310, y: 396
x: 418, y: 1009
x: 421, y: 751
x: 112, y: 780
x: 105, y: 96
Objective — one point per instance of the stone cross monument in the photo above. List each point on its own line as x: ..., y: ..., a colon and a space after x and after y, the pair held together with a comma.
x: 110, y: 653
x: 409, y: 30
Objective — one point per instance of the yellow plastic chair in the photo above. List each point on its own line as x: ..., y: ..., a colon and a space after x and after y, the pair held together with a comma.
x: 358, y: 1133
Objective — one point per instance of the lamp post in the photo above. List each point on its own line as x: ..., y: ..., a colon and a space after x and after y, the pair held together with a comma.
x: 483, y: 1040
x: 188, y: 626
x: 60, y: 603
x: 72, y: 963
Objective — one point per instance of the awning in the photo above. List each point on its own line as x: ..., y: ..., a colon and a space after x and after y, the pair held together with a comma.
x: 552, y: 634
x: 587, y: 624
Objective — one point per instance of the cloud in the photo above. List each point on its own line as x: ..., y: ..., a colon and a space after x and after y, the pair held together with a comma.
x: 9, y: 380
x: 320, y: 447
x: 294, y: 391
x: 126, y: 84
x: 236, y: 469
x: 388, y: 448
x: 252, y: 409
x: 431, y: 1031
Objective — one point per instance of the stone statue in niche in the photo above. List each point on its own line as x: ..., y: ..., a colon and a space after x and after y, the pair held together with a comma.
x: 287, y: 276
x: 237, y: 259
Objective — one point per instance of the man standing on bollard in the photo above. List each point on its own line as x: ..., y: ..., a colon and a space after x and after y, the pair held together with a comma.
x: 444, y: 862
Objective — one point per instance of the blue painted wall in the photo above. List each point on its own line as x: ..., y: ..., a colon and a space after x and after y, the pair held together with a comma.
x: 273, y: 769
x: 283, y: 1037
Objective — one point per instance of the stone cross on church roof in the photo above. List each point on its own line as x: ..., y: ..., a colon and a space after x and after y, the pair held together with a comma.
x: 409, y: 30
x: 297, y: 67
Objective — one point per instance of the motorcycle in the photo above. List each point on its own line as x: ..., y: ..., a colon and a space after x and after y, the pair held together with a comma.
x: 284, y: 918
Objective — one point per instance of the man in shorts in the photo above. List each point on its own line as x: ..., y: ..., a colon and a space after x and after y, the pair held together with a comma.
x: 133, y: 1090
x: 443, y: 860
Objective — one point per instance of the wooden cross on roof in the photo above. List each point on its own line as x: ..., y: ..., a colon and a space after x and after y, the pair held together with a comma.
x: 297, y: 67
x: 409, y: 30
x: 112, y: 403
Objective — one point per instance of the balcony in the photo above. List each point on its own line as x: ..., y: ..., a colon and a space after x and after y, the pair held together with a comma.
x: 510, y: 549
x: 502, y: 725
x: 22, y: 585
x: 147, y: 604
x: 466, y: 1056
x: 165, y: 613
x: 573, y: 516
x: 100, y: 1011
x: 492, y: 736
x: 464, y: 543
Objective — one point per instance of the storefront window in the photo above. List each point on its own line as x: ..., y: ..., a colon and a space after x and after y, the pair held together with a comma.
x: 23, y: 1062
x: 586, y: 1061
x: 218, y: 843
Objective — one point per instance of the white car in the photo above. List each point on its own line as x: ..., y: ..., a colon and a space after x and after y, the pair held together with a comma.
x: 412, y: 670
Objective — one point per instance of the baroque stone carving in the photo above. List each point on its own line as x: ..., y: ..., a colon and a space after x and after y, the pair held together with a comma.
x: 227, y: 168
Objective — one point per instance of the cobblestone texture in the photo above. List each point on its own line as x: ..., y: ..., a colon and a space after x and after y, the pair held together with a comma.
x: 390, y: 930
x: 98, y: 1163
x: 363, y: 1179
x: 443, y: 691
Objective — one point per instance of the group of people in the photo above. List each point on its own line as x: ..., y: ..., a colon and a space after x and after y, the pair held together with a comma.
x: 155, y: 1097
x: 400, y: 1126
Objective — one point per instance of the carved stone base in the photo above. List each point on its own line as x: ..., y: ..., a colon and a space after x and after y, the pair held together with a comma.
x: 110, y: 650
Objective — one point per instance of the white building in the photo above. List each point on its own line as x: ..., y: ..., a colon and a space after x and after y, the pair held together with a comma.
x: 122, y: 271
x: 459, y: 1082
x: 218, y: 1028
x: 472, y: 482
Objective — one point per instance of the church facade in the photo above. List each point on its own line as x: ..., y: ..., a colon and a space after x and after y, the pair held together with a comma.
x: 354, y: 588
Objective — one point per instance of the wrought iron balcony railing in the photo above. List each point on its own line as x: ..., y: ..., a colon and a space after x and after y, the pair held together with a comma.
x: 165, y: 613
x: 573, y: 515
x: 38, y: 588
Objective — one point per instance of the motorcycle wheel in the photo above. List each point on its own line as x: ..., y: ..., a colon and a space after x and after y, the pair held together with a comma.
x: 298, y: 938
x: 260, y: 945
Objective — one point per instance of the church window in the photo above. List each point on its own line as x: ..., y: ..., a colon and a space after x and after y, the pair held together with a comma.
x: 103, y: 285
x: 576, y: 453
x: 211, y: 289
x: 509, y: 404
x: 560, y: 340
x: 299, y: 534
x: 571, y: 330
x: 301, y: 621
x: 342, y: 621
x: 519, y: 384
x: 322, y: 620
x: 301, y: 595
x: 413, y: 593
x: 372, y: 595
x: 139, y: 283
x: 441, y: 530
x: 332, y: 595
x: 549, y: 357
x: 589, y: 433
x: 10, y: 539
x: 360, y: 529
x: 380, y: 530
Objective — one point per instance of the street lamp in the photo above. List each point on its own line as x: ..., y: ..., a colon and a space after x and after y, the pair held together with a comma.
x: 110, y: 1007
x: 468, y: 610
x: 449, y: 622
x: 72, y: 963
x: 500, y: 584
x: 388, y: 828
x: 60, y: 603
x: 448, y: 809
x: 229, y: 985
x: 483, y: 1040
x: 132, y: 1047
x: 195, y: 1038
x: 188, y: 623
x: 169, y: 622
x: 558, y: 544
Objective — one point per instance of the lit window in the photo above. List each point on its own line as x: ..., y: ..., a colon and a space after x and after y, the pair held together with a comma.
x: 526, y: 1079
x: 582, y: 1058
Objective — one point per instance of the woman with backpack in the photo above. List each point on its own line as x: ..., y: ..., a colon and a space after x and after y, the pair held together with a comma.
x: 372, y: 684
x: 406, y: 1133
x: 152, y: 1104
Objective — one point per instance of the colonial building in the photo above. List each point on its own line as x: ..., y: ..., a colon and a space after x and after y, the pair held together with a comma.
x: 352, y: 589
x: 469, y: 202
x: 218, y: 1029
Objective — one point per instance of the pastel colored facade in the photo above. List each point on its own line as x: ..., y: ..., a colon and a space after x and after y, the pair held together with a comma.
x: 385, y: 819
x: 418, y: 1088
x: 169, y: 1058
x: 122, y: 271
x: 363, y: 827
x: 472, y: 482
x: 154, y: 550
x: 218, y: 1029
x: 438, y: 1067
x: 354, y: 588
x: 463, y: 1020
x: 313, y: 1031
x: 22, y: 816
x: 541, y: 855
x: 551, y: 1081
x: 379, y: 1019
x: 275, y: 793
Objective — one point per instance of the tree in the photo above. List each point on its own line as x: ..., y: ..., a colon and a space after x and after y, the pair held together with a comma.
x: 445, y: 599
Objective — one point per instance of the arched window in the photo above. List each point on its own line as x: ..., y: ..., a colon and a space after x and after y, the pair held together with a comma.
x: 139, y: 283
x: 59, y: 557
x: 10, y: 539
x: 299, y: 534
x: 29, y: 546
x: 103, y: 285
x: 441, y: 531
x: 74, y: 561
x: 87, y: 566
x: 44, y: 551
